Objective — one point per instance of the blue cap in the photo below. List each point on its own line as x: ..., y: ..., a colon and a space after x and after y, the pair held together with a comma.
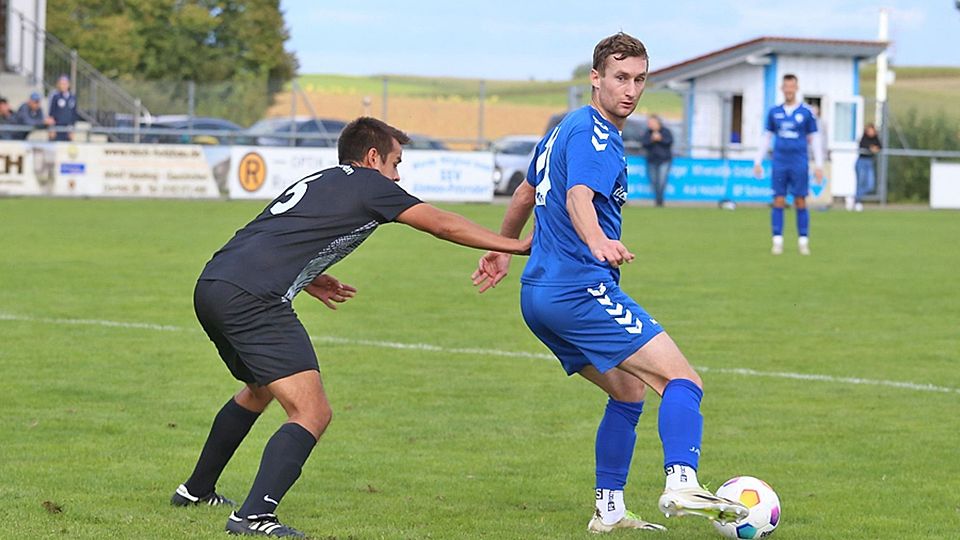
x: 35, y: 96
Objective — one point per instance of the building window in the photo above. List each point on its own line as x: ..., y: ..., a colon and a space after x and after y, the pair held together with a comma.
x: 814, y: 103
x: 736, y: 119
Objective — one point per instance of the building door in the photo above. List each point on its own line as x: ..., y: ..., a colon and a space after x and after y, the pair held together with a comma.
x: 843, y: 138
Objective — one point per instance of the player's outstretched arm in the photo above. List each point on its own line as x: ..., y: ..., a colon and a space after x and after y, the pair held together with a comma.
x: 459, y: 230
x: 328, y: 290
x: 493, y: 266
x: 585, y: 222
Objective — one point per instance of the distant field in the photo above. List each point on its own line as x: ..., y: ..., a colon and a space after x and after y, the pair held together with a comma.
x: 449, y: 108
x: 932, y: 91
x: 832, y: 377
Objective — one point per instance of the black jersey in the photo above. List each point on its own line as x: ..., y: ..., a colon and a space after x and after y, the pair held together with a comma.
x: 315, y: 223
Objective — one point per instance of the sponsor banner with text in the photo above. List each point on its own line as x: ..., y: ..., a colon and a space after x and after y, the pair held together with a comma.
x: 25, y: 168
x: 712, y: 180
x: 128, y: 170
x: 265, y: 172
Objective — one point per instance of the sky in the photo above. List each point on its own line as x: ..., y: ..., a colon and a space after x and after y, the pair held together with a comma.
x: 546, y: 40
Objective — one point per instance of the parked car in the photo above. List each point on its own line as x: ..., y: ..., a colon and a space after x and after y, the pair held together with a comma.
x: 321, y: 132
x: 632, y: 132
x: 177, y: 129
x: 422, y: 142
x: 215, y: 131
x: 511, y: 158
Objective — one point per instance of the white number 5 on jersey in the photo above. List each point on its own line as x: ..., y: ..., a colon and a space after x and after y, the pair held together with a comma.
x: 296, y: 192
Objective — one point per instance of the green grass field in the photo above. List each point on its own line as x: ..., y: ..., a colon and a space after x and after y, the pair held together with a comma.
x: 445, y: 426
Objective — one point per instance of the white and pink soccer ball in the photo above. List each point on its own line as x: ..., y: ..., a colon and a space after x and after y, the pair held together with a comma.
x: 762, y: 501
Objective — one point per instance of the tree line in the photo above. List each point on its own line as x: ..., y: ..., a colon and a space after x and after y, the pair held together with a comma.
x: 233, y: 50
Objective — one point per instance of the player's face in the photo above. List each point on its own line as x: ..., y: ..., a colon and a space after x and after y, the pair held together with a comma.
x: 789, y: 89
x: 619, y: 89
x: 387, y: 165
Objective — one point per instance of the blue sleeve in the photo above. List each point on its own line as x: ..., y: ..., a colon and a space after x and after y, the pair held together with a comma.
x: 587, y: 162
x: 813, y: 123
x: 771, y: 127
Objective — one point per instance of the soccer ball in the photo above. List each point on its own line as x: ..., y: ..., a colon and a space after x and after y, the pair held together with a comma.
x: 762, y: 501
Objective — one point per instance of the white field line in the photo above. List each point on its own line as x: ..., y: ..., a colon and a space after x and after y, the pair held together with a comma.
x: 743, y: 372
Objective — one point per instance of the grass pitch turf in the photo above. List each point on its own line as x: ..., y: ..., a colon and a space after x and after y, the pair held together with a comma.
x: 441, y: 429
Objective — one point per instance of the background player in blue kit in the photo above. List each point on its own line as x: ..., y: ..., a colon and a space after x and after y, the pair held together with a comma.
x: 571, y: 299
x: 244, y: 301
x: 792, y: 128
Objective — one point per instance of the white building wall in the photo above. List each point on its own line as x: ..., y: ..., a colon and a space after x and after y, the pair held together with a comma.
x: 743, y: 79
x: 25, y: 38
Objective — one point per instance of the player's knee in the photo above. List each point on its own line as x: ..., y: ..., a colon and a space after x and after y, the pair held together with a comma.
x: 630, y: 394
x: 322, y: 415
x: 254, y: 398
x: 690, y: 375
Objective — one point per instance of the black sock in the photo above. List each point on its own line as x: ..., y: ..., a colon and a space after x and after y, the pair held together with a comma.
x: 283, y: 458
x: 230, y: 426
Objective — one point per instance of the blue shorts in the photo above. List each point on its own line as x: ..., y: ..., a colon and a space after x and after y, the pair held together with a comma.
x: 790, y: 177
x: 599, y: 326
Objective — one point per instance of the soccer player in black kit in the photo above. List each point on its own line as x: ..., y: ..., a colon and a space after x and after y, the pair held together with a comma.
x: 243, y: 300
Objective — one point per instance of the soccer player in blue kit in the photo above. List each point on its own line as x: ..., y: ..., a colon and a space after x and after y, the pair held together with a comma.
x: 244, y: 302
x: 792, y: 128
x: 571, y: 299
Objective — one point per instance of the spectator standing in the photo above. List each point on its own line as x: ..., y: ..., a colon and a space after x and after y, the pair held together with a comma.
x: 30, y: 114
x: 63, y: 110
x: 658, y: 141
x: 866, y: 172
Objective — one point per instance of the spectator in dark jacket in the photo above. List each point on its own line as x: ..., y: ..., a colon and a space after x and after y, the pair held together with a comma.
x: 658, y: 141
x: 866, y: 173
x: 63, y: 109
x: 6, y: 119
x: 31, y: 114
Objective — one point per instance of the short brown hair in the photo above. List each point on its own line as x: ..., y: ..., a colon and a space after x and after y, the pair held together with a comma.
x: 619, y: 46
x: 365, y: 133
x: 790, y: 77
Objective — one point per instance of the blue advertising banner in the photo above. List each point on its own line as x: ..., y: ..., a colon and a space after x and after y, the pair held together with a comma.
x: 706, y: 180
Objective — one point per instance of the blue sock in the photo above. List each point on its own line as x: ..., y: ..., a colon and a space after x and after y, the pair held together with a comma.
x: 680, y: 423
x: 803, y: 221
x: 776, y: 220
x: 616, y: 437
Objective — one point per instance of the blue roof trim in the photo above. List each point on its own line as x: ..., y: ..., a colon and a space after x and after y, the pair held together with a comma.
x: 690, y: 112
x: 769, y: 87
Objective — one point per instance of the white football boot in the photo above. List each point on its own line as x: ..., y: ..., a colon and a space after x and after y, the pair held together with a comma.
x: 628, y: 521
x: 696, y: 501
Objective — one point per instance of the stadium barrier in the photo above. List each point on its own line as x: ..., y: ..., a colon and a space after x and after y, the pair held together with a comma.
x: 198, y: 171
x: 698, y: 180
x: 260, y: 172
x: 945, y: 185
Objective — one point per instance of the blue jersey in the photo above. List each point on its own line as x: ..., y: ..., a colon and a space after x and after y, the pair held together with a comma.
x: 790, y: 133
x: 586, y: 149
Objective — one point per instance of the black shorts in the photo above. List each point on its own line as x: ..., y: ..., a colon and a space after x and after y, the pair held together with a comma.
x: 259, y: 341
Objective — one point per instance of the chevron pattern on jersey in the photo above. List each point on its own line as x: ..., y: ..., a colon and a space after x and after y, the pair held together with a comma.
x: 617, y: 312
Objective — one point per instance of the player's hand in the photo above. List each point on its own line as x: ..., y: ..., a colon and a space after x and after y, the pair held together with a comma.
x: 491, y: 269
x: 613, y: 252
x: 818, y: 175
x: 328, y: 290
x: 758, y: 170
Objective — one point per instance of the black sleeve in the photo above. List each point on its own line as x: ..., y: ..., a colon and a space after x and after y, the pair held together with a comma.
x: 384, y: 199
